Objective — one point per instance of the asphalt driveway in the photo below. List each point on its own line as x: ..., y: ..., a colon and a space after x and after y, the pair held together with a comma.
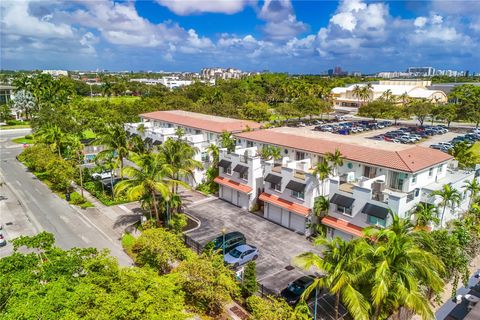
x: 276, y: 244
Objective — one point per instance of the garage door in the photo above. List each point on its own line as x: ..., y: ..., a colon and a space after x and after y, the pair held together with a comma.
x: 274, y: 213
x: 227, y: 194
x: 243, y: 200
x: 343, y: 235
x: 297, y: 222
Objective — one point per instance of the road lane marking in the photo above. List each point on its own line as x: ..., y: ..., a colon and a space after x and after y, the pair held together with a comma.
x: 85, y: 239
x: 18, y: 182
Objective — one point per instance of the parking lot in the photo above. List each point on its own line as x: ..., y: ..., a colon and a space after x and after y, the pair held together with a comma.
x: 277, y: 245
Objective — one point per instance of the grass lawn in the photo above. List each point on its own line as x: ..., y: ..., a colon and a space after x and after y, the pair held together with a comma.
x: 24, y: 140
x: 17, y: 126
x: 115, y: 100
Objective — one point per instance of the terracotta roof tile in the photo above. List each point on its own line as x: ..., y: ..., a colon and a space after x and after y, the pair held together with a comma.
x: 290, y: 206
x: 411, y: 159
x: 202, y: 121
x: 343, y: 225
x: 233, y: 184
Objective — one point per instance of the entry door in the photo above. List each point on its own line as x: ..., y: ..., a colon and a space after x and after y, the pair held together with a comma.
x: 227, y: 194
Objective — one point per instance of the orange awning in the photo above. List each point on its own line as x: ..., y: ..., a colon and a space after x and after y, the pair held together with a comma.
x: 233, y: 184
x: 343, y: 225
x: 288, y: 205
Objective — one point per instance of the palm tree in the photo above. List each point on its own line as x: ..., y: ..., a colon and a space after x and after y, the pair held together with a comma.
x: 357, y: 92
x: 227, y: 141
x: 402, y: 271
x: 388, y: 96
x: 149, y: 180
x: 474, y: 188
x: 214, y: 152
x: 343, y: 265
x: 115, y: 139
x: 322, y: 170
x: 321, y: 206
x: 52, y: 135
x: 336, y: 160
x: 449, y: 197
x: 424, y: 214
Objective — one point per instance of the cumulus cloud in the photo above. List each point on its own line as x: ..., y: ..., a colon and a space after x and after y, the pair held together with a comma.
x: 281, y: 22
x: 186, y: 7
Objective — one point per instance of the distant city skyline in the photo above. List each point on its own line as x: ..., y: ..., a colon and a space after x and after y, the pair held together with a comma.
x: 279, y: 36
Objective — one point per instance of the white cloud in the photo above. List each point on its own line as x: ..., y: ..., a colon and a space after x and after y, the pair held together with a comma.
x: 282, y: 24
x: 186, y: 7
x: 420, y: 22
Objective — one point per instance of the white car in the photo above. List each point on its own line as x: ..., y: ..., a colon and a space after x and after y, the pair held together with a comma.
x: 102, y: 175
x: 3, y: 241
x: 240, y: 255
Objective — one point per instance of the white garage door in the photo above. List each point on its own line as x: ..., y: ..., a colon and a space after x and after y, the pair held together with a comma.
x: 297, y: 222
x: 227, y: 194
x: 274, y: 213
x: 243, y: 200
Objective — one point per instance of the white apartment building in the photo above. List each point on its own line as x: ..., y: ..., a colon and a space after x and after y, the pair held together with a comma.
x: 201, y: 130
x: 169, y: 82
x: 56, y: 73
x: 347, y: 97
x: 375, y: 176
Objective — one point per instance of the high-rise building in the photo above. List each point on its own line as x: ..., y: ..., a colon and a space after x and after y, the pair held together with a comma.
x: 421, y: 71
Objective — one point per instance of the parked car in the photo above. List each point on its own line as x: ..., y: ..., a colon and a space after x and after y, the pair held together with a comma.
x: 102, y: 175
x: 301, y: 124
x: 232, y: 239
x: 295, y: 289
x: 240, y: 255
x: 3, y: 241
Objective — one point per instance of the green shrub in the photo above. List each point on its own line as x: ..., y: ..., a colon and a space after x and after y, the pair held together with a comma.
x: 86, y: 204
x: 249, y: 286
x: 178, y: 222
x: 127, y: 243
x: 76, y: 198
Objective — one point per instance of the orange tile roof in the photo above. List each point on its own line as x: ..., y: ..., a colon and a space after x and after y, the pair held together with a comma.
x: 290, y: 206
x: 202, y: 121
x: 233, y: 184
x: 412, y: 159
x: 343, y: 225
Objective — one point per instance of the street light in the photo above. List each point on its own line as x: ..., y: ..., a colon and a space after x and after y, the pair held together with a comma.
x: 223, y: 242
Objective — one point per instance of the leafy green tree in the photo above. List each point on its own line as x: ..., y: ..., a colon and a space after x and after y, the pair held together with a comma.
x: 446, y: 112
x: 271, y: 308
x: 425, y: 214
x: 51, y: 283
x: 421, y: 109
x: 159, y: 249
x: 249, y: 285
x: 147, y: 180
x: 449, y: 197
x: 379, y: 108
x: 473, y: 187
x: 208, y: 283
x: 61, y: 173
x: 462, y: 152
x: 342, y: 264
x: 227, y: 141
x: 402, y: 273
x: 322, y: 171
x: 5, y: 112
x: 51, y: 135
x: 255, y: 111
x: 336, y: 159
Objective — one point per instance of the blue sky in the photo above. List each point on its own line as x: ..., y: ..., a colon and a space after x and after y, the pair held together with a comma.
x: 276, y: 35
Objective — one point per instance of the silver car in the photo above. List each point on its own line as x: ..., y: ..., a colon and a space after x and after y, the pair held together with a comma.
x: 241, y: 255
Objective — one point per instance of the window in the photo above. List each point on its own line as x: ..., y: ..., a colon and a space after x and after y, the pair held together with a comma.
x: 377, y: 221
x: 228, y: 170
x: 249, y: 144
x: 430, y: 172
x: 205, y: 157
x: 298, y: 195
x: 396, y: 180
x: 276, y: 186
x: 344, y: 210
x: 414, y: 179
x: 299, y: 155
x: 243, y: 175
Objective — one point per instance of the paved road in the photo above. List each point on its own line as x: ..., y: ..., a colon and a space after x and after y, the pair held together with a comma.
x: 45, y: 210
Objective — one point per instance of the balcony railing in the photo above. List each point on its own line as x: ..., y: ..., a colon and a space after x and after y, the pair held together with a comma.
x: 299, y: 174
x: 243, y: 159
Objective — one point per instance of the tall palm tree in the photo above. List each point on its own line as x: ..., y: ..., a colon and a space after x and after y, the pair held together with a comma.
x: 178, y: 155
x: 449, y: 197
x: 322, y: 170
x: 52, y: 135
x: 336, y: 159
x: 357, y: 92
x: 148, y: 181
x: 115, y: 139
x: 343, y: 265
x: 474, y: 188
x: 425, y: 214
x: 214, y: 152
x: 402, y: 271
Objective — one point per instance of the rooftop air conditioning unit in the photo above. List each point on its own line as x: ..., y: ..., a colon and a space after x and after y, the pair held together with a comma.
x: 453, y: 164
x: 378, y: 186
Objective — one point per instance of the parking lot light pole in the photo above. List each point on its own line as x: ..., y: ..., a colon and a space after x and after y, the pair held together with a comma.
x: 315, y: 305
x: 223, y: 241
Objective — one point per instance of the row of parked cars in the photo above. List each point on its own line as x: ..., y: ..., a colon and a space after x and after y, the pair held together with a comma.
x: 237, y: 252
x: 411, y: 134
x: 470, y: 138
x: 353, y: 126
